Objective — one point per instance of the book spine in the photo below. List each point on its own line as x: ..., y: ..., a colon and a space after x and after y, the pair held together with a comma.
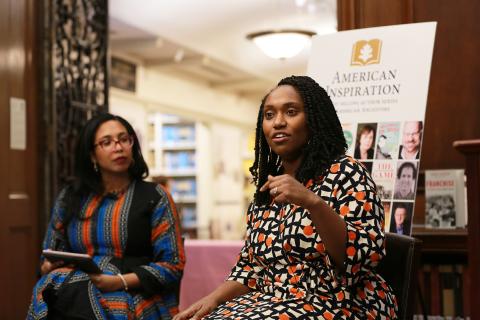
x: 436, y: 302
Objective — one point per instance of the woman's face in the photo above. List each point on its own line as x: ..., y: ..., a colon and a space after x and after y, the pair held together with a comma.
x: 366, y: 140
x: 284, y: 122
x: 112, y: 148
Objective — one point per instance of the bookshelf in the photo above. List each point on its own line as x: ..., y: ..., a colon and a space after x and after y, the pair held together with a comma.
x: 471, y: 151
x: 441, y: 245
x: 443, y: 277
x: 172, y: 156
x: 449, y: 278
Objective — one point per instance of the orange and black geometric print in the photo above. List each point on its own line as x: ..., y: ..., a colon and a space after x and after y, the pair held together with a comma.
x: 287, y: 266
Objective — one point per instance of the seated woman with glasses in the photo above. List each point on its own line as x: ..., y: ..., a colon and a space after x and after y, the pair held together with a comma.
x: 130, y: 227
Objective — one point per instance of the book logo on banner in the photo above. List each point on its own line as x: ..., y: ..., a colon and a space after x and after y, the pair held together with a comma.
x: 366, y: 52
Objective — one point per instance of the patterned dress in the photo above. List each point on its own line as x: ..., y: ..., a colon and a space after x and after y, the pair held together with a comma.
x: 138, y: 231
x: 285, y: 263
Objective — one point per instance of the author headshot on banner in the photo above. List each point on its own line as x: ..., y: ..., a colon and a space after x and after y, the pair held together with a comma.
x: 405, y: 185
x: 365, y: 141
x: 411, y: 139
x: 401, y: 216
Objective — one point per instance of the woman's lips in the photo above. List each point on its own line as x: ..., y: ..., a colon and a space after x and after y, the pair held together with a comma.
x: 120, y: 160
x: 280, y: 137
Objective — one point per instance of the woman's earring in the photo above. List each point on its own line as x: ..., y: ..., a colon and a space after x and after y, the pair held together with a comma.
x: 95, y: 167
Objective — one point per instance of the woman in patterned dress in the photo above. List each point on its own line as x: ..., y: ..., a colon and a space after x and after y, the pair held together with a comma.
x: 129, y: 227
x: 315, y: 229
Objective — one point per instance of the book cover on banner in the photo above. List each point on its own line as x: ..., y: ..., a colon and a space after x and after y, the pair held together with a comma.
x: 383, y: 173
x: 387, y: 205
x: 388, y: 136
x: 349, y: 132
x: 445, y: 199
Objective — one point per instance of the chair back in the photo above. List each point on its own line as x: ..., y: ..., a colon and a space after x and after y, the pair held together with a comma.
x: 399, y: 268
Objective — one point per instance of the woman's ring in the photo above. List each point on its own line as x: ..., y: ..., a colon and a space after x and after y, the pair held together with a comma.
x: 274, y: 191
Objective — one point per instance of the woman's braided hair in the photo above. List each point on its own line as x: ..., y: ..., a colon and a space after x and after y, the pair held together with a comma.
x: 326, y: 140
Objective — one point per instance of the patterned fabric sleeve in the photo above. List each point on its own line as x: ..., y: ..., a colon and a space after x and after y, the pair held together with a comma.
x: 246, y: 271
x: 356, y: 200
x: 55, y: 234
x: 166, y: 269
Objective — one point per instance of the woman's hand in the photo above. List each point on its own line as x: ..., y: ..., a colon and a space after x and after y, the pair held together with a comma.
x: 199, y: 309
x: 106, y: 283
x: 48, y: 266
x: 286, y: 189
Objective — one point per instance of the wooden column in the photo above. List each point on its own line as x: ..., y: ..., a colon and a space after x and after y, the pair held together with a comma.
x: 471, y: 150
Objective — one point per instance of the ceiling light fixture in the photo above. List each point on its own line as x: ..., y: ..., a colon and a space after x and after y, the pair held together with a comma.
x: 281, y: 44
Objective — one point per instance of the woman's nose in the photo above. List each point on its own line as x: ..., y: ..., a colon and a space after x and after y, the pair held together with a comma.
x: 279, y: 121
x: 118, y: 146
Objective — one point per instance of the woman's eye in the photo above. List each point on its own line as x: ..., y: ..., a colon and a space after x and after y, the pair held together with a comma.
x: 268, y: 115
x: 291, y: 112
x: 105, y: 143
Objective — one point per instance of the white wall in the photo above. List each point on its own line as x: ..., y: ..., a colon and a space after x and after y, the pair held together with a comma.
x: 228, y: 181
x: 135, y: 113
x: 225, y: 120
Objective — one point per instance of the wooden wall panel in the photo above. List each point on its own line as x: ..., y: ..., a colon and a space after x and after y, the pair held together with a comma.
x: 355, y: 14
x: 18, y: 168
x: 20, y: 264
x: 3, y: 136
x: 453, y: 107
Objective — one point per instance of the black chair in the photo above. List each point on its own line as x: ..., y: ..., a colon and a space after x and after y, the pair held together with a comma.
x: 399, y: 268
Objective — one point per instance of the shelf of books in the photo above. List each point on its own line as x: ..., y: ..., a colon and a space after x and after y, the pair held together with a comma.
x: 173, y: 159
x: 441, y: 222
x: 444, y: 275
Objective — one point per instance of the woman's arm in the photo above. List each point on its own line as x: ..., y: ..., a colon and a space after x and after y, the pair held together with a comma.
x: 327, y: 222
x: 55, y: 237
x: 330, y: 226
x: 168, y: 258
x: 242, y: 279
x: 225, y: 292
x: 108, y: 283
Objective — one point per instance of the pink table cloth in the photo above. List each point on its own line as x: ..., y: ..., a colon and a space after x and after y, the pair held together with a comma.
x: 209, y: 262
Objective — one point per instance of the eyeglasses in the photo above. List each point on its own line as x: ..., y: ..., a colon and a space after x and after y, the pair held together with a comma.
x: 412, y: 134
x: 108, y: 144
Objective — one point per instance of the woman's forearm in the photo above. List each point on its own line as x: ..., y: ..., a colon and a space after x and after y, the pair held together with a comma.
x: 132, y: 280
x: 331, y: 228
x: 228, y: 291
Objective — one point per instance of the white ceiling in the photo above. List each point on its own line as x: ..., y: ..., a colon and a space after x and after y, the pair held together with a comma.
x: 211, y: 34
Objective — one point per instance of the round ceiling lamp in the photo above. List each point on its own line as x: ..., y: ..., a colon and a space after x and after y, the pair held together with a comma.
x: 281, y: 44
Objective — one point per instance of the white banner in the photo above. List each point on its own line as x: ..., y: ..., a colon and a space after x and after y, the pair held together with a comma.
x: 378, y: 81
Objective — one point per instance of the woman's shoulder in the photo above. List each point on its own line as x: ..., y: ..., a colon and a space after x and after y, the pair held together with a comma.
x: 151, y: 190
x: 346, y: 167
x: 345, y: 163
x: 65, y: 192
